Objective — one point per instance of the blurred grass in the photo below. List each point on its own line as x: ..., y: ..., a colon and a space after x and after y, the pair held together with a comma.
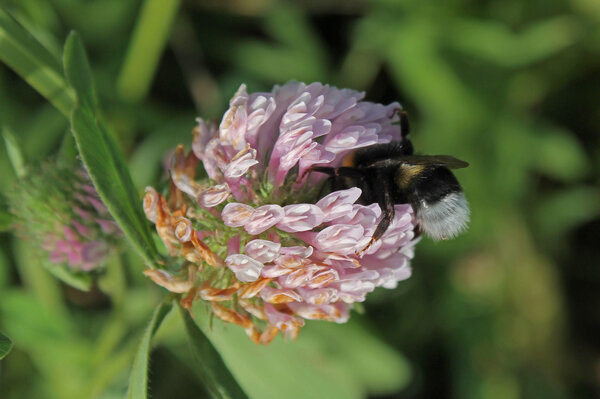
x: 508, y: 310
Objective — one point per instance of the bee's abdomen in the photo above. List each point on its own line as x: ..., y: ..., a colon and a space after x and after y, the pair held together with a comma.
x: 434, y: 184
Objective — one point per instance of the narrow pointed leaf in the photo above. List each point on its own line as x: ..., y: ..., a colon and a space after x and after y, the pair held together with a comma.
x: 6, y: 221
x: 138, y: 381
x: 213, y: 371
x: 5, y: 345
x: 25, y: 55
x: 15, y: 154
x: 101, y: 156
x: 82, y: 281
x: 148, y: 41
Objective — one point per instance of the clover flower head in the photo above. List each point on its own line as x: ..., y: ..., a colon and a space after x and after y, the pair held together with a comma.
x: 256, y: 238
x: 57, y: 206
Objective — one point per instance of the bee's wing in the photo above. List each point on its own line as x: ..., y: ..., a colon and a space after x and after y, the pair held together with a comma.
x: 447, y: 161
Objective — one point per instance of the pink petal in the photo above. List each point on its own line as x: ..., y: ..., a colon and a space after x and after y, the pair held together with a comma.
x: 97, y: 204
x: 85, y: 215
x: 289, y: 325
x: 70, y: 235
x: 355, y: 291
x: 263, y: 218
x: 366, y: 216
x: 323, y: 278
x: 291, y: 261
x: 214, y: 195
x: 277, y: 295
x: 353, y: 137
x: 339, y: 238
x: 244, y: 267
x: 300, y: 217
x: 107, y: 226
x: 88, y: 188
x: 319, y: 296
x: 202, y: 135
x: 94, y: 252
x: 232, y: 130
x: 337, y: 312
x: 338, y: 203
x: 74, y: 258
x: 299, y: 277
x: 274, y: 271
x: 84, y: 231
x: 184, y: 183
x: 262, y: 250
x: 240, y: 165
x: 303, y: 252
x: 214, y: 160
x: 315, y: 155
x: 235, y: 214
x: 262, y: 106
x: 291, y: 158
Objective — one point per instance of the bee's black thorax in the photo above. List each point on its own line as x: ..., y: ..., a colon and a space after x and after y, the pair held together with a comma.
x: 365, y: 157
x: 433, y: 184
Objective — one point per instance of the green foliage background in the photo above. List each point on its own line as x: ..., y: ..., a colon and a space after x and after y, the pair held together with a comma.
x: 507, y: 310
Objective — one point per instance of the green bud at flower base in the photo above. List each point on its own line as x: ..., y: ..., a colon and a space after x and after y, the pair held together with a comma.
x: 56, y: 206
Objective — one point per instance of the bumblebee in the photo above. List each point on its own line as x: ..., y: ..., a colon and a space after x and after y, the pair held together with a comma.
x: 391, y: 174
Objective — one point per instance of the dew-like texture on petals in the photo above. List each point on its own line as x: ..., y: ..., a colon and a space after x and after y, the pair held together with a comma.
x: 214, y: 195
x: 263, y: 250
x: 263, y: 218
x: 245, y: 268
x: 269, y: 246
x: 300, y: 217
x: 236, y: 214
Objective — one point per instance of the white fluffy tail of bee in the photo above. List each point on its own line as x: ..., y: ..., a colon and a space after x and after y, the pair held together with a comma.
x: 445, y: 218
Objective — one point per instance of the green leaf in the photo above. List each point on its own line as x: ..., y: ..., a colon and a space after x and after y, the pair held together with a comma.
x: 538, y: 41
x: 330, y: 356
x: 82, y: 281
x: 68, y: 148
x: 103, y: 160
x: 32, y: 323
x: 38, y: 282
x: 6, y: 221
x: 213, y: 371
x: 5, y: 345
x: 372, y: 362
x: 15, y: 154
x: 33, y: 62
x: 147, y: 44
x: 138, y: 381
x: 562, y: 211
x: 559, y: 154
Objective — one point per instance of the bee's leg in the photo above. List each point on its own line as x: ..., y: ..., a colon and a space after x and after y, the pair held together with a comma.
x: 322, y: 169
x: 342, y: 176
x: 407, y: 147
x: 404, y: 125
x: 345, y: 177
x: 387, y: 207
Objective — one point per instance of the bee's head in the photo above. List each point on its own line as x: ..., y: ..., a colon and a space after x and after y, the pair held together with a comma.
x: 440, y: 205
